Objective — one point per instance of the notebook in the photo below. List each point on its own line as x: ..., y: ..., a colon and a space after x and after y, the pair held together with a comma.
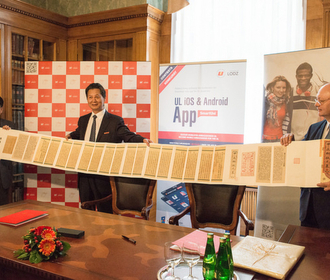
x: 22, y: 217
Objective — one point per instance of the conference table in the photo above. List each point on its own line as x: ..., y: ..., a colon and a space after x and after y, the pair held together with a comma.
x: 103, y: 254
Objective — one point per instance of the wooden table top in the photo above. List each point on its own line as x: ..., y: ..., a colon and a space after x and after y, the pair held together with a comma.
x: 102, y: 253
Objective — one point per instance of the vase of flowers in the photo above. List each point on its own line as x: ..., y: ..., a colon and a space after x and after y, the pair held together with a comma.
x: 42, y: 244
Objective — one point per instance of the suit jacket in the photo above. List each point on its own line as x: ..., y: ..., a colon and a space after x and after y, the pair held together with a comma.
x: 321, y: 198
x: 6, y: 166
x: 112, y: 130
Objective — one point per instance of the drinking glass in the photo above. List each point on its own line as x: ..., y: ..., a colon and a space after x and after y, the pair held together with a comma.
x: 191, y: 255
x: 172, y: 255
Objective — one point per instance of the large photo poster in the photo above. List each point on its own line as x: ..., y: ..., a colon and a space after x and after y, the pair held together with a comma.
x: 199, y: 104
x: 291, y: 83
x: 55, y: 99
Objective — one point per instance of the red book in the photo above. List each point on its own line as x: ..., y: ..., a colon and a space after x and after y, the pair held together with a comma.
x: 22, y: 217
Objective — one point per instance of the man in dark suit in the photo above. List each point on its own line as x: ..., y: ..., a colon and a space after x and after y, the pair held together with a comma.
x: 100, y: 126
x: 315, y: 202
x: 6, y: 166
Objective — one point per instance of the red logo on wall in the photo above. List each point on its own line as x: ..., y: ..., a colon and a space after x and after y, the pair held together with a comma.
x: 73, y: 67
x: 131, y: 124
x: 129, y: 96
x: 44, y: 124
x: 143, y: 82
x: 101, y: 68
x: 57, y: 195
x: 59, y: 81
x: 72, y: 96
x: 44, y: 180
x: 71, y: 124
x: 143, y: 110
x: 44, y: 95
x: 45, y: 68
x: 31, y: 110
x: 31, y: 81
x: 58, y: 110
x: 115, y: 109
x: 129, y: 67
x: 115, y: 82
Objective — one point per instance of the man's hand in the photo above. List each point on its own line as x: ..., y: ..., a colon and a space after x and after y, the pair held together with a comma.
x: 147, y: 141
x: 326, y: 186
x: 6, y: 127
x: 287, y: 139
x: 67, y: 137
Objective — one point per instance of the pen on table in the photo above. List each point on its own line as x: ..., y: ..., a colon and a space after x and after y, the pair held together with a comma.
x: 129, y: 239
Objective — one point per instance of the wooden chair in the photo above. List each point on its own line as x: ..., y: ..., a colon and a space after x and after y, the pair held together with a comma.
x: 216, y: 206
x: 129, y: 196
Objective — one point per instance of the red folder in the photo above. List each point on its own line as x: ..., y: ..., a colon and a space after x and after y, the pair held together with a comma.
x: 22, y: 217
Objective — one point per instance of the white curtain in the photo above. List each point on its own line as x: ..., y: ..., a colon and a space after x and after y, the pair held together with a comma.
x: 216, y: 30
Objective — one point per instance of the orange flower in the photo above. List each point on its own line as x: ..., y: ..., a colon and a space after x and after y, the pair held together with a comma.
x: 47, y: 246
x: 48, y: 234
x: 38, y: 230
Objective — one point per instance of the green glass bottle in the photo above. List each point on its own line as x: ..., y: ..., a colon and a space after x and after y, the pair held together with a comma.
x: 209, y: 260
x: 230, y: 254
x: 222, y: 271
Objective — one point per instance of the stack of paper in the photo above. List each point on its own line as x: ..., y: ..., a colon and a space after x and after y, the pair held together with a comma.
x: 267, y: 257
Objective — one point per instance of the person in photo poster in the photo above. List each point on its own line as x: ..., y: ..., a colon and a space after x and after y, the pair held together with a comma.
x: 100, y: 126
x: 302, y: 112
x: 315, y: 202
x: 277, y: 96
x: 6, y: 166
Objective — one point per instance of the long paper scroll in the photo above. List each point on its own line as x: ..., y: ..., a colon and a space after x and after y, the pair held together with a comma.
x: 301, y: 164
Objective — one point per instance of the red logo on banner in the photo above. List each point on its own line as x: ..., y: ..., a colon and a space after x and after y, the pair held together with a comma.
x: 71, y: 180
x: 44, y: 96
x: 44, y: 180
x: 44, y: 124
x: 28, y: 168
x: 71, y: 124
x: 115, y: 109
x: 129, y: 67
x: 143, y: 110
x: 73, y: 67
x: 86, y: 80
x: 131, y: 124
x: 143, y: 82
x: 129, y: 96
x: 30, y: 193
x: 31, y: 81
x: 59, y: 81
x: 101, y: 67
x: 58, y: 195
x: 58, y: 110
x: 115, y: 82
x: 31, y: 110
x: 45, y: 68
x: 72, y: 96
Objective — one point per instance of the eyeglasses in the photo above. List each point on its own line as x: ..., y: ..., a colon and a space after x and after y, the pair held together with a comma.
x: 321, y: 102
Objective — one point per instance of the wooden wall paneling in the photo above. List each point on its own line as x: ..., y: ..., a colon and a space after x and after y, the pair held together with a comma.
x: 326, y: 23
x: 37, y: 20
x: 165, y: 40
x: 314, y: 24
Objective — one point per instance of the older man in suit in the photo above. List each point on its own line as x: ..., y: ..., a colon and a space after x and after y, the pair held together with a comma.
x: 6, y: 167
x: 100, y: 126
x: 315, y: 202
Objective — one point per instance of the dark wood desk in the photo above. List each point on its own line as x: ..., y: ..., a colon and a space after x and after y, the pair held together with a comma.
x: 101, y: 254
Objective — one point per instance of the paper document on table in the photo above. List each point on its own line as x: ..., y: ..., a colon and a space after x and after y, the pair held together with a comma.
x: 267, y: 257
